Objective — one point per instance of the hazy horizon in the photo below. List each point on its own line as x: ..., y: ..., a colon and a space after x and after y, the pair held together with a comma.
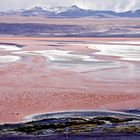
x: 115, y: 5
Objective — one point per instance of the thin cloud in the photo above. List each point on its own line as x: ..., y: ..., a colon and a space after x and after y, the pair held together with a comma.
x: 116, y: 5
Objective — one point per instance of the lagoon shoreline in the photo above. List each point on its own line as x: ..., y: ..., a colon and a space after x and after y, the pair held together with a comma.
x: 34, y: 85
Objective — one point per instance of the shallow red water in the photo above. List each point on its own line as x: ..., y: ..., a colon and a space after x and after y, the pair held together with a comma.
x: 35, y: 85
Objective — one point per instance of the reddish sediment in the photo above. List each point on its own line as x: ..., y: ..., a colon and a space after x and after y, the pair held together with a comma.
x: 33, y: 85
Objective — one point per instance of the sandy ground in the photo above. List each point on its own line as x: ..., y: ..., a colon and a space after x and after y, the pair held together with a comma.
x: 68, y: 21
x: 34, y: 85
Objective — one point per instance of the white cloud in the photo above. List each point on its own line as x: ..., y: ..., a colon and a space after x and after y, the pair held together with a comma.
x: 117, y: 5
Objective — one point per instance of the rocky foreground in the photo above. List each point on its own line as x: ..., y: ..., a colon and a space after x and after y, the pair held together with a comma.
x: 60, y: 125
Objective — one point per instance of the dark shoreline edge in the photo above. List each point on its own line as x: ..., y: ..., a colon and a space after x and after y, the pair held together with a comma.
x: 124, y: 136
x: 80, y: 125
x: 83, y: 113
x: 14, y: 44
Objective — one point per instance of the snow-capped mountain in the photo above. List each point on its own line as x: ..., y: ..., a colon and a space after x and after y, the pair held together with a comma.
x: 58, y: 9
x: 130, y: 14
x: 36, y: 11
x: 75, y: 11
x: 72, y: 11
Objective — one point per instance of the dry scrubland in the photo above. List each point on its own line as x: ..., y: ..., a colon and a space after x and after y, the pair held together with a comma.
x: 68, y: 27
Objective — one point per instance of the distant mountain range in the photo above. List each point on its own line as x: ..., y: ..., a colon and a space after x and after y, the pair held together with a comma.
x: 72, y: 11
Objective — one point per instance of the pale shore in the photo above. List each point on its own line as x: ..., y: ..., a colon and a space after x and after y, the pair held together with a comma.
x: 67, y: 38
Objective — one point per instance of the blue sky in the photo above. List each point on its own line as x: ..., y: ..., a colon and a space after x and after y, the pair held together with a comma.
x: 116, y: 5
